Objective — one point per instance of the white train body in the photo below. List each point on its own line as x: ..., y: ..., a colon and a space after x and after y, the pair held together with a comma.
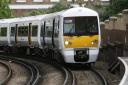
x: 75, y: 33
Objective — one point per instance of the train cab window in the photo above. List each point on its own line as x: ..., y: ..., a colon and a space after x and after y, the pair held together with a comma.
x: 34, y: 30
x: 13, y: 31
x: 81, y: 26
x: 3, y: 31
x: 69, y: 26
x: 23, y: 31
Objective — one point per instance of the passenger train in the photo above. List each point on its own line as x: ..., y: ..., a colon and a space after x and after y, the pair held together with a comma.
x: 74, y: 33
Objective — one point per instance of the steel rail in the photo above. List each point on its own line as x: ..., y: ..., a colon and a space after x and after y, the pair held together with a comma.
x: 32, y: 68
x: 104, y: 81
x: 8, y: 75
x: 69, y: 77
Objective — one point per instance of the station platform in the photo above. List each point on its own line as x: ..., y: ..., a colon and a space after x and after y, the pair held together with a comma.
x: 124, y: 80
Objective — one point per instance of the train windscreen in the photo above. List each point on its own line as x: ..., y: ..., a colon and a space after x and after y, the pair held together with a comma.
x: 80, y: 26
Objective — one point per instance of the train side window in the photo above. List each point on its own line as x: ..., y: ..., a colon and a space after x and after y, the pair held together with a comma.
x: 34, y: 30
x: 23, y: 31
x: 3, y: 31
x: 48, y: 29
x: 49, y: 32
x: 12, y: 31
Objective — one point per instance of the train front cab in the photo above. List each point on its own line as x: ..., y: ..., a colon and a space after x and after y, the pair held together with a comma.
x: 81, y: 39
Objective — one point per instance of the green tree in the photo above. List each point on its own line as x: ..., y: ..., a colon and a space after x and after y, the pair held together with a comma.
x: 118, y: 5
x: 57, y: 7
x: 62, y: 5
x: 5, y: 12
x: 115, y: 7
x: 80, y: 2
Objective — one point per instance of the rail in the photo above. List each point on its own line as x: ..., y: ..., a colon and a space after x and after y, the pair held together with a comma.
x: 8, y: 75
x: 103, y: 80
x: 124, y: 80
x: 32, y: 68
x: 69, y: 78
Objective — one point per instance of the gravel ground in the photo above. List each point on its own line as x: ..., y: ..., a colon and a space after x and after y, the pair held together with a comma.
x: 19, y: 74
x: 86, y: 77
x: 3, y: 72
x: 49, y: 75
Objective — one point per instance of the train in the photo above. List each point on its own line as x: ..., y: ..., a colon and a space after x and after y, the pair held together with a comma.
x: 73, y: 33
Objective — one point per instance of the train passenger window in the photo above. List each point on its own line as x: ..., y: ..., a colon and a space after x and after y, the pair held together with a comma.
x: 23, y: 31
x: 49, y: 33
x: 12, y: 31
x: 3, y: 31
x: 34, y: 30
x: 48, y: 29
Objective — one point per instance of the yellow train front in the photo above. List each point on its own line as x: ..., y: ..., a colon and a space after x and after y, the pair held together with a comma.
x: 81, y: 36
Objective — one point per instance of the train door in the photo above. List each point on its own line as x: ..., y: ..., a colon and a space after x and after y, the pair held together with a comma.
x: 126, y: 35
x: 34, y: 34
x: 13, y: 34
x: 56, y: 32
x: 30, y: 34
x: 48, y: 33
x: 42, y: 34
x: 53, y: 31
x: 22, y: 35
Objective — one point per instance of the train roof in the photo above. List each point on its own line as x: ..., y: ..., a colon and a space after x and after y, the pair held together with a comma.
x: 74, y: 12
x: 23, y: 20
x: 6, y: 22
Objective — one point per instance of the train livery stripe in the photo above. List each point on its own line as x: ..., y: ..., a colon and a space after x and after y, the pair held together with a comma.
x: 81, y: 41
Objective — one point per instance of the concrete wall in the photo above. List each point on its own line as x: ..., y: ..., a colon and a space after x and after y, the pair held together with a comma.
x: 116, y: 29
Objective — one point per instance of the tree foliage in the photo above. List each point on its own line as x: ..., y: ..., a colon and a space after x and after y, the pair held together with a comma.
x: 57, y: 7
x: 5, y: 12
x: 115, y: 7
x: 118, y: 5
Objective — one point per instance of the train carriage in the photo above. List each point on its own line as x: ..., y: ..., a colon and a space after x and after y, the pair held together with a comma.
x: 25, y: 31
x: 74, y: 33
x: 5, y: 31
x: 78, y: 34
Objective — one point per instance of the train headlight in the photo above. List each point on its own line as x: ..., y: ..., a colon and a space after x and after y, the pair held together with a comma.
x: 66, y: 42
x: 94, y: 42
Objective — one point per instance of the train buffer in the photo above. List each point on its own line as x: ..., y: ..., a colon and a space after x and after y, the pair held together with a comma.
x: 124, y: 80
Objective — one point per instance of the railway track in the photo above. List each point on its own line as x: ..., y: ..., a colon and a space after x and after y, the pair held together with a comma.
x: 89, y: 77
x: 33, y: 70
x: 8, y: 73
x: 103, y: 81
x: 68, y: 77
